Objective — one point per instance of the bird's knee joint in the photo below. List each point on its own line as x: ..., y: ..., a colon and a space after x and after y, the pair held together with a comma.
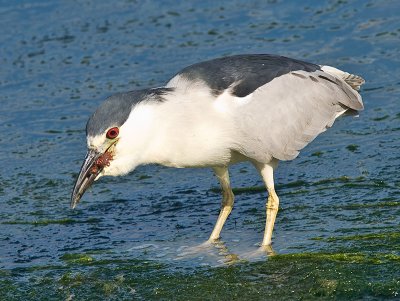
x: 273, y: 199
x: 272, y: 204
x: 272, y: 207
x: 228, y: 200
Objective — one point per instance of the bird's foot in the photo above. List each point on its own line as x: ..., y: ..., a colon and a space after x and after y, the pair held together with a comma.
x: 263, y: 252
x: 186, y: 251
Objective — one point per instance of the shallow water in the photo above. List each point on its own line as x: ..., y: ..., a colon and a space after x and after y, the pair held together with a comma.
x: 337, y: 234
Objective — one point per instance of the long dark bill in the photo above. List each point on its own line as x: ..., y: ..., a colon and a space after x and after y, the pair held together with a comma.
x: 87, y: 175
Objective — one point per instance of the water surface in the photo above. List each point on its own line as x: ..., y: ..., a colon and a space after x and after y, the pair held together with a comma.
x: 337, y: 234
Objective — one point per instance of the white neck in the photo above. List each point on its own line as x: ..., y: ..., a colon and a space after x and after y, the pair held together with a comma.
x: 173, y: 133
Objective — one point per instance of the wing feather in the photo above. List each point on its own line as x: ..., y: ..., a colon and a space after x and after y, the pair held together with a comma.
x: 289, y: 112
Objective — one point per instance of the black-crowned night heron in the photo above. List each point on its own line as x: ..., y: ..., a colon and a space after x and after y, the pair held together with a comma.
x: 259, y: 108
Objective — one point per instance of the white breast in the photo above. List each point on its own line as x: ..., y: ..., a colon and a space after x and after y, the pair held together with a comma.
x: 188, y: 129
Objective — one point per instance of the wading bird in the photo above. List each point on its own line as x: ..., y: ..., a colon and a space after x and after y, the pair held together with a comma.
x: 259, y: 108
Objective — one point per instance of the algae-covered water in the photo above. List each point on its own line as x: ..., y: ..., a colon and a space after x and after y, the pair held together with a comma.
x: 139, y: 237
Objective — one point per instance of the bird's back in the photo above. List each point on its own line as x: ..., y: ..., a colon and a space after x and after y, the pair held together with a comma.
x: 243, y: 74
x: 278, y: 104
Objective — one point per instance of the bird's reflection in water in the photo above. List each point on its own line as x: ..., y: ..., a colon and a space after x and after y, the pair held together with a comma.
x: 219, y: 249
x: 216, y: 249
x: 223, y: 251
x: 262, y: 252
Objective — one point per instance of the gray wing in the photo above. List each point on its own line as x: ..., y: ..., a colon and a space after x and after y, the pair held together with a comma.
x: 243, y: 74
x: 284, y: 115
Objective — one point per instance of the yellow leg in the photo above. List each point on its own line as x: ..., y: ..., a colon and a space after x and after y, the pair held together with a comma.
x: 272, y: 210
x: 267, y: 173
x: 227, y: 201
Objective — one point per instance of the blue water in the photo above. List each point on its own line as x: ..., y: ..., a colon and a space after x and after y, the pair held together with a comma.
x: 130, y: 236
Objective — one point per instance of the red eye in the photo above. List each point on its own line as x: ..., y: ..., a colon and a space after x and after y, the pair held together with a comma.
x: 112, y: 133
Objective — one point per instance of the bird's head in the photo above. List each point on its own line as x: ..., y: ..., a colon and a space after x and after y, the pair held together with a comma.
x: 113, y: 134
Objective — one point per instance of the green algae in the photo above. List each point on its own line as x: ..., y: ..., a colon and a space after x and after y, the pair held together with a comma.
x: 337, y: 257
x: 342, y: 179
x: 369, y: 236
x: 317, y: 154
x: 45, y: 222
x: 77, y: 258
x: 143, y: 177
x: 294, y: 184
x: 242, y: 190
x: 4, y: 273
x: 299, y: 183
x: 324, y: 184
x: 352, y: 147
x: 300, y: 276
x: 294, y: 192
x: 372, y: 205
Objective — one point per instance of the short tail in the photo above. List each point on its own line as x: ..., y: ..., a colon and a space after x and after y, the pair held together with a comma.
x: 354, y: 81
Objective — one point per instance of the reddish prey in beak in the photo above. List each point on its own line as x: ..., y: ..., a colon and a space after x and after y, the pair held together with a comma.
x: 93, y: 165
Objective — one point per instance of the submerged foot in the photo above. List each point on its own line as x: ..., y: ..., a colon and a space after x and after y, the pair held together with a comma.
x: 209, y: 248
x: 261, y: 253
